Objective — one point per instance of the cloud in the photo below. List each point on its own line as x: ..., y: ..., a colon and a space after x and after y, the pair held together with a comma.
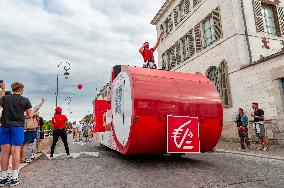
x: 92, y: 35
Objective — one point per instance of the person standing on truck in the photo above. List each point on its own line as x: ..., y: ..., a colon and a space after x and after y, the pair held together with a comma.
x: 148, y: 53
x: 59, y: 122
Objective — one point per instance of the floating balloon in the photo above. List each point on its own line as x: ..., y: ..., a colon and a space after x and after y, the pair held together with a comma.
x: 80, y: 86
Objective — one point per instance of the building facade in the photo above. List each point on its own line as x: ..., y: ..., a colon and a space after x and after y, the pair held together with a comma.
x: 102, y: 95
x: 238, y: 45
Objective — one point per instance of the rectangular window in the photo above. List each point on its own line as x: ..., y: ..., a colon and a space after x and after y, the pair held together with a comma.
x: 268, y: 14
x: 166, y: 29
x: 208, y: 31
x: 182, y: 11
x: 185, y: 47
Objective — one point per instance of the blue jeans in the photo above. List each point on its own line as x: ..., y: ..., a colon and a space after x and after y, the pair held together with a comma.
x: 30, y: 151
x: 12, y: 135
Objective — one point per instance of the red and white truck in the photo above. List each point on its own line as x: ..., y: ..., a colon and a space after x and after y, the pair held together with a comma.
x: 149, y: 111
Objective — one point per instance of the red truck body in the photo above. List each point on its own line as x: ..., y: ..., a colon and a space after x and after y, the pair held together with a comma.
x: 133, y: 118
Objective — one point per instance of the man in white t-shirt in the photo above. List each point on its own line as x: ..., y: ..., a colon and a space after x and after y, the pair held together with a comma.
x: 75, y: 131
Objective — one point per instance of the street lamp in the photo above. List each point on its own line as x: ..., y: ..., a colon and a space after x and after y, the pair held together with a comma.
x: 66, y: 74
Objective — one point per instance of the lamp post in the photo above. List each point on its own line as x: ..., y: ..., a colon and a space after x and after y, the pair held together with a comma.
x: 66, y: 74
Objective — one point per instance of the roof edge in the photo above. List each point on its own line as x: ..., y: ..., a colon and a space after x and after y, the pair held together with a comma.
x: 162, y: 11
x: 263, y: 59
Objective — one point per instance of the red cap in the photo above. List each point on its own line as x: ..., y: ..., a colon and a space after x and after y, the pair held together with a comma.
x: 58, y: 109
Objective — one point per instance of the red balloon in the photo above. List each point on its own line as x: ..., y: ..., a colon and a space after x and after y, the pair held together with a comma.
x: 80, y: 86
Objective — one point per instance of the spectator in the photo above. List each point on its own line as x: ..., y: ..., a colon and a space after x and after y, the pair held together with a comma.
x: 60, y: 123
x: 258, y: 116
x: 41, y: 124
x: 31, y: 134
x: 80, y: 130
x: 86, y: 132
x: 148, y: 54
x: 242, y: 124
x: 3, y: 89
x: 12, y: 131
x: 2, y: 93
x: 75, y: 137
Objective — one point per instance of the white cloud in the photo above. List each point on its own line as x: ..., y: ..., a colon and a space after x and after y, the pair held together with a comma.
x: 93, y: 35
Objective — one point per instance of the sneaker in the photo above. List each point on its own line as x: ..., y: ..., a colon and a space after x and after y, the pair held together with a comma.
x: 69, y: 157
x: 4, y: 181
x: 51, y: 158
x: 15, y: 182
x: 27, y: 161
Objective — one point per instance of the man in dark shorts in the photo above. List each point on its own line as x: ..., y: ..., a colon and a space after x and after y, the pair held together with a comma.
x: 12, y: 131
x: 148, y: 53
x: 258, y: 116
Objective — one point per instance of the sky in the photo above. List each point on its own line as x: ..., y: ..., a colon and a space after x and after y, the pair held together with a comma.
x: 91, y: 35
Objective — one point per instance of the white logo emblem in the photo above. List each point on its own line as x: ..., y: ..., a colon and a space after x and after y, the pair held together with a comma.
x: 187, y: 136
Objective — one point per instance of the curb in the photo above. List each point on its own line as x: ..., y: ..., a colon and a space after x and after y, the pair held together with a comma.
x: 23, y: 165
x: 250, y: 154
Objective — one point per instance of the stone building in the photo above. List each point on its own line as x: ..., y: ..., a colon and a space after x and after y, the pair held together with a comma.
x: 103, y: 93
x: 238, y: 45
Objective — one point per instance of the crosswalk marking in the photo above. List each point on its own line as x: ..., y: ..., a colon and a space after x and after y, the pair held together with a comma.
x: 74, y: 155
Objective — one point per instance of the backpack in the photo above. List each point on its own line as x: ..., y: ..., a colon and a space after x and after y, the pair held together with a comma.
x: 31, y: 124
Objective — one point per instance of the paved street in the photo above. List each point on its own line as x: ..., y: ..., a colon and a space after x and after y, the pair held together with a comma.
x: 111, y: 169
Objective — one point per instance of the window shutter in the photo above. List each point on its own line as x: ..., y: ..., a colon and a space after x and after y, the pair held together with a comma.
x: 176, y: 16
x: 173, y: 58
x: 191, y: 43
x: 225, y: 90
x: 258, y: 16
x: 198, y: 40
x: 164, y: 63
x: 169, y: 59
x: 217, y: 23
x: 280, y: 12
x: 178, y: 52
x: 187, y: 6
x: 196, y: 2
x: 162, y: 30
x: 170, y: 23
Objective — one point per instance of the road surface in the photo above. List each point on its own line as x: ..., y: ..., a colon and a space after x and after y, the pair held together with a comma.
x: 110, y: 169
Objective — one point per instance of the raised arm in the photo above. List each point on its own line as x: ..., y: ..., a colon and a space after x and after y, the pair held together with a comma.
x: 142, y: 48
x: 158, y: 41
x: 37, y: 107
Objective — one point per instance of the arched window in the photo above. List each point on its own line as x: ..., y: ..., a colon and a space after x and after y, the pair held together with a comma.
x: 220, y: 77
x: 214, y: 76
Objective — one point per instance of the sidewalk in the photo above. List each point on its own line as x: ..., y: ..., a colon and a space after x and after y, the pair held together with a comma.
x: 274, y: 152
x: 43, y: 147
